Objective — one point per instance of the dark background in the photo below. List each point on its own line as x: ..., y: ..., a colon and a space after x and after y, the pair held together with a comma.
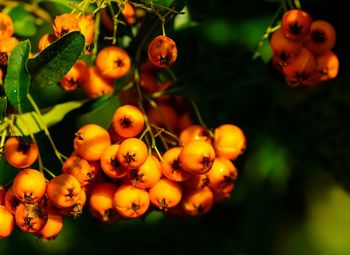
x: 292, y: 193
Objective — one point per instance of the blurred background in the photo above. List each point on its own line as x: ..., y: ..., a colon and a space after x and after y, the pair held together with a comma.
x: 292, y: 193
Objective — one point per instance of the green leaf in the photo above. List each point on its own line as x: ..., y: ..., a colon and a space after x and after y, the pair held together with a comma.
x: 23, y: 21
x: 56, y: 60
x: 99, y: 111
x: 50, y: 118
x: 3, y: 107
x: 17, y: 80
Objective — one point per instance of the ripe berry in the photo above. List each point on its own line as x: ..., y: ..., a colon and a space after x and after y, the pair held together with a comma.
x: 162, y: 51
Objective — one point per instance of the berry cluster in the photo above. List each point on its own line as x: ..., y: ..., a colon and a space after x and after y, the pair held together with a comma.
x: 119, y: 176
x: 151, y: 157
x: 302, y: 49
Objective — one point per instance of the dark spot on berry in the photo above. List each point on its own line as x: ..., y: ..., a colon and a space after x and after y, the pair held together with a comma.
x: 28, y: 198
x: 206, y: 162
x: 129, y: 157
x: 295, y: 29
x: 135, y: 206
x: 115, y: 163
x: 175, y: 166
x: 205, y: 181
x: 227, y: 181
x: 3, y: 58
x: 119, y: 62
x: 125, y: 122
x: 318, y: 36
x: 136, y: 177
x: 3, y: 26
x: 283, y: 56
x: 23, y: 146
x: 164, y: 60
x: 163, y: 205
x: 199, y: 208
x: 70, y: 193
x: 28, y: 223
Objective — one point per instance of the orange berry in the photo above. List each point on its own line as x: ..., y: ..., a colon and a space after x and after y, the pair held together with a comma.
x: 327, y: 65
x: 101, y: 202
x: 29, y: 185
x: 90, y: 141
x: 6, y: 26
x: 132, y: 153
x: 229, y: 141
x: 146, y: 175
x: 196, y: 181
x: 283, y: 48
x: 165, y: 194
x: 296, y: 24
x: 300, y: 69
x: 131, y: 202
x: 197, y: 157
x: 86, y: 24
x: 76, y: 210
x: 128, y: 121
x: 11, y: 201
x: 80, y: 169
x: 198, y: 202
x: 322, y: 37
x: 195, y: 132
x: 46, y: 40
x: 65, y: 23
x: 53, y: 225
x: 63, y: 190
x: 221, y: 195
x: 162, y: 51
x: 110, y: 163
x: 113, y: 62
x: 76, y: 76
x: 97, y: 85
x: 171, y: 165
x: 128, y: 12
x: 221, y: 177
x: 19, y: 152
x: 7, y: 222
x: 30, y: 218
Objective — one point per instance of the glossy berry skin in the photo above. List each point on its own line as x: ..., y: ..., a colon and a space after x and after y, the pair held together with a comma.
x: 20, y: 153
x: 283, y: 48
x: 162, y: 51
x: 296, y: 24
x: 322, y: 37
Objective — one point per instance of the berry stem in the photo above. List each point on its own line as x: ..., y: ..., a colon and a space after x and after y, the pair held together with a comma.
x: 144, y: 133
x: 96, y: 35
x: 44, y: 127
x: 198, y: 115
x: 297, y: 4
x: 270, y: 29
x: 40, y: 162
x: 162, y: 130
x: 49, y: 172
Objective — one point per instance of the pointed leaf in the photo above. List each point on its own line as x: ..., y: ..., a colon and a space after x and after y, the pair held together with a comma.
x: 17, y: 80
x: 56, y: 60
